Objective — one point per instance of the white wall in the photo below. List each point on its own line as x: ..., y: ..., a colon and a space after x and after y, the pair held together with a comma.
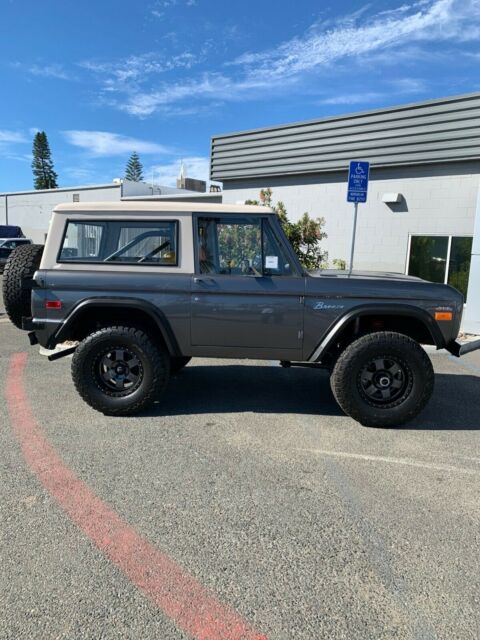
x: 32, y: 210
x: 471, y: 321
x: 438, y: 200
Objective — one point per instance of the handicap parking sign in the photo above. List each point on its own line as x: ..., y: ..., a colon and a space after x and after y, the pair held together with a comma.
x: 358, y: 181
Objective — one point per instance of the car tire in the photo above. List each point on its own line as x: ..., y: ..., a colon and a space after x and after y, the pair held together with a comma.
x: 382, y: 379
x: 22, y: 263
x: 120, y: 371
x: 177, y: 364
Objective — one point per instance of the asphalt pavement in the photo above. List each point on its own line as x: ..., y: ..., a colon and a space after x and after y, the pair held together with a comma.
x: 249, y: 478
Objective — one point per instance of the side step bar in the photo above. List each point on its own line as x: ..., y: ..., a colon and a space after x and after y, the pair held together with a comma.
x: 61, y: 354
x: 459, y: 349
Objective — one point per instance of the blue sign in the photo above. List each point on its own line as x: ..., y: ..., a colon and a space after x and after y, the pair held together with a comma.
x: 358, y: 181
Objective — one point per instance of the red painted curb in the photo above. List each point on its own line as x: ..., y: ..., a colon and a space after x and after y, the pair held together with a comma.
x: 180, y: 596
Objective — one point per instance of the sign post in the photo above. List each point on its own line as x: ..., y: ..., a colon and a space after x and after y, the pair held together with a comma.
x: 357, y: 192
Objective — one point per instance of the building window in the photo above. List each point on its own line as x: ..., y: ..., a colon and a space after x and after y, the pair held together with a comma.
x: 76, y: 197
x: 443, y: 259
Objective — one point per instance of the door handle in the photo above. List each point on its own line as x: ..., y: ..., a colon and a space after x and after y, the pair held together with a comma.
x: 197, y: 280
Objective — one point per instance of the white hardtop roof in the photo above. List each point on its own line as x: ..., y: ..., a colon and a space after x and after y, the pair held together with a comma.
x: 160, y: 207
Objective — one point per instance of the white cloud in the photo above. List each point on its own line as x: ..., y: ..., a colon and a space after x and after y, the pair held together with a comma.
x: 398, y: 87
x: 52, y: 70
x: 22, y: 157
x: 126, y: 74
x: 12, y: 137
x: 49, y: 71
x: 159, y: 7
x: 105, y: 143
x: 439, y: 20
x: 353, y: 98
x: 81, y: 174
x: 353, y: 37
x: 8, y: 145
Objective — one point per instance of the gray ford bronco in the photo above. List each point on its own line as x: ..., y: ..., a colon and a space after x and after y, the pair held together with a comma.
x: 140, y: 288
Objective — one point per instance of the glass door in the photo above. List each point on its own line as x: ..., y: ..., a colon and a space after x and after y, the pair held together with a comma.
x: 442, y: 259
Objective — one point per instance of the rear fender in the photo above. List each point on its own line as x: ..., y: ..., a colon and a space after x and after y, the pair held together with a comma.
x: 155, y: 314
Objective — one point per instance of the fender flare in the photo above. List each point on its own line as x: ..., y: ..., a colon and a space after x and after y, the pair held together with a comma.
x: 373, y: 309
x: 153, y: 312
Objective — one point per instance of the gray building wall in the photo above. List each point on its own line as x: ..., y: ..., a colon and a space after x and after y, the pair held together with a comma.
x: 437, y: 199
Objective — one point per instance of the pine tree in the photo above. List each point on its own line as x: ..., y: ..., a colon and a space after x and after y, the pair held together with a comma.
x: 134, y: 168
x: 42, y: 165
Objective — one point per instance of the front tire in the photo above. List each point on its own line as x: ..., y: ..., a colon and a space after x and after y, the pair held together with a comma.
x: 120, y: 370
x: 383, y: 379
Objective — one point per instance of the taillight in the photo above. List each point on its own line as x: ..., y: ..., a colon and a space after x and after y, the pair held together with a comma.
x: 53, y: 304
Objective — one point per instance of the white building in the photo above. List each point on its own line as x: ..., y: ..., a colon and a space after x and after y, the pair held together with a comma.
x: 425, y: 155
x: 31, y: 210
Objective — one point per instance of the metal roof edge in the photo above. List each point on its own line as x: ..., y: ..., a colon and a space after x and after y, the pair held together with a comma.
x: 347, y: 116
x: 109, y: 185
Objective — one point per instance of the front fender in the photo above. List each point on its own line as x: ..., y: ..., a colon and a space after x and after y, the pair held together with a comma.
x: 405, y: 310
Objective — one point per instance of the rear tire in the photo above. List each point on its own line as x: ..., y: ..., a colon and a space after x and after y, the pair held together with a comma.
x: 21, y: 263
x: 383, y: 379
x: 120, y: 371
x: 177, y: 364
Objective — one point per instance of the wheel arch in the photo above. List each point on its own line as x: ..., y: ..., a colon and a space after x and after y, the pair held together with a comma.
x: 409, y: 320
x: 92, y: 312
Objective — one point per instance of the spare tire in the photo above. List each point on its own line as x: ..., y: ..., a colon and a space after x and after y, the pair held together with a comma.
x: 22, y: 263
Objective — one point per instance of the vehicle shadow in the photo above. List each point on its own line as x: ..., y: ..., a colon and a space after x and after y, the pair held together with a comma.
x: 455, y: 405
x: 201, y: 389
x: 243, y: 388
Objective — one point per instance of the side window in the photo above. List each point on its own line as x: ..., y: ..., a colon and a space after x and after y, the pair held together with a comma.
x: 275, y: 259
x: 116, y: 241
x: 230, y: 246
x: 147, y: 243
x: 82, y: 242
x: 240, y: 246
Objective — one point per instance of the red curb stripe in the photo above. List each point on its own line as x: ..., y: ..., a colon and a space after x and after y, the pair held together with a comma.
x: 180, y: 596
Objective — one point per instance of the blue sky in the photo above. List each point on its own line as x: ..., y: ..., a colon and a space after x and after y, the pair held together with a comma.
x: 161, y: 77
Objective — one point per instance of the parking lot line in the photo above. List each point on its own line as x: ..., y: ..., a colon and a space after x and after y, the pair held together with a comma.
x: 403, y: 461
x: 179, y: 595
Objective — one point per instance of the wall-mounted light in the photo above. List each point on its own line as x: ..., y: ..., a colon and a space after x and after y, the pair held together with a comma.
x: 392, y: 198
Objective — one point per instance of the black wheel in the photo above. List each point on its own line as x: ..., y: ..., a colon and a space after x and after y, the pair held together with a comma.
x: 21, y: 263
x: 120, y: 370
x: 177, y: 364
x: 383, y: 379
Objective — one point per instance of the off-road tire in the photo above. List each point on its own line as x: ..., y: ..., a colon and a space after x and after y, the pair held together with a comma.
x: 353, y: 389
x: 87, y: 374
x: 21, y: 263
x: 177, y: 364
